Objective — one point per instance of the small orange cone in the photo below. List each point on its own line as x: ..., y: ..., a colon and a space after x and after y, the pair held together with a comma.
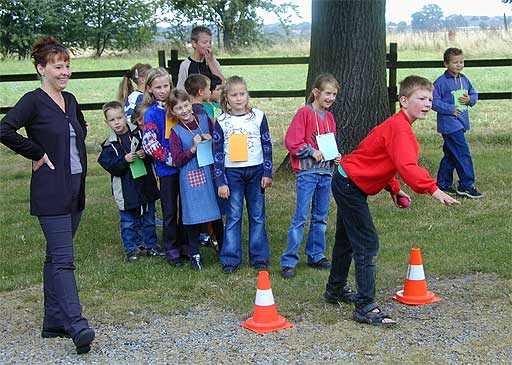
x: 265, y: 318
x: 415, y: 286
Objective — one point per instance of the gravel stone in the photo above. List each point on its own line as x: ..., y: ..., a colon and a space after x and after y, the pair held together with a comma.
x: 470, y: 326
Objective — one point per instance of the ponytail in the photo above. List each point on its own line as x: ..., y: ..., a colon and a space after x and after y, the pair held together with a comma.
x: 134, y: 75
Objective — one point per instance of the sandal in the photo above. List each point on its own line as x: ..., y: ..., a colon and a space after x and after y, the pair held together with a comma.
x: 367, y: 314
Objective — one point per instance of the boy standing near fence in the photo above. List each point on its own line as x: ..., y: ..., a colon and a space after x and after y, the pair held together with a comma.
x: 202, y: 60
x: 133, y: 182
x: 453, y: 94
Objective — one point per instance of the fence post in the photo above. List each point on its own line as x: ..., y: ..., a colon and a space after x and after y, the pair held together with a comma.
x: 161, y: 58
x: 392, y: 90
x: 173, y: 66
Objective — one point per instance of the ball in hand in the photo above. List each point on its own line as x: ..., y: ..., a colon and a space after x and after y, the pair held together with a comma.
x: 403, y: 202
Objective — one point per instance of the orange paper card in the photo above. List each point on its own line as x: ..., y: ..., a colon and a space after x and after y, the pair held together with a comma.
x: 238, y: 147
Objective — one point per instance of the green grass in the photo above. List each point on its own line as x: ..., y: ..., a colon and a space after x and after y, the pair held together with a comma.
x: 474, y: 237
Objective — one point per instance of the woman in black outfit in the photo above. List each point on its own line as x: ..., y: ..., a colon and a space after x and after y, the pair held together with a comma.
x: 56, y: 132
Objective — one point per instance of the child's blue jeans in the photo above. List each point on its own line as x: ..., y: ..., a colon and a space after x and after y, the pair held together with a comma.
x: 457, y: 156
x: 245, y: 182
x: 312, y: 190
x: 131, y: 222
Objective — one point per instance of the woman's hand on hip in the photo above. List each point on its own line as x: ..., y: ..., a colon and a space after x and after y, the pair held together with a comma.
x: 44, y: 160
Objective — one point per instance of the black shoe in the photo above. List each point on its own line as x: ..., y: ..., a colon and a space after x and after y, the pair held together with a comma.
x: 323, y: 264
x: 288, y: 272
x: 345, y: 295
x: 54, y: 332
x: 228, y: 269
x: 260, y: 266
x: 83, y: 340
x: 449, y: 190
x: 177, y: 262
x: 153, y: 252
x: 471, y: 193
x: 132, y: 257
x: 195, y: 262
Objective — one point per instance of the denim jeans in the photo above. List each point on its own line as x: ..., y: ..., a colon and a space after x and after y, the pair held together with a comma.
x: 456, y: 157
x: 132, y: 223
x: 314, y: 190
x: 245, y: 182
x: 355, y: 237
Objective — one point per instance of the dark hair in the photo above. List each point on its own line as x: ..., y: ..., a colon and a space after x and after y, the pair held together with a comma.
x: 115, y: 104
x: 214, y: 81
x: 233, y: 80
x: 196, y: 31
x: 320, y: 82
x: 46, y: 50
x: 412, y: 83
x: 175, y: 96
x: 451, y: 52
x: 138, y: 112
x: 196, y: 82
x: 138, y: 71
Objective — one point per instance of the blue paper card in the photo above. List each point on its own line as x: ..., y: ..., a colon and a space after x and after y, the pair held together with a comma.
x: 205, y: 153
x: 327, y: 145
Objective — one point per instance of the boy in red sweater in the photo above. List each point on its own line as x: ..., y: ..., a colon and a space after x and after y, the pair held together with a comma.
x: 389, y: 148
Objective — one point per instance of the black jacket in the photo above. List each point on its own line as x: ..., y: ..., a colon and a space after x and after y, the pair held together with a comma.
x: 47, y: 132
x: 129, y: 193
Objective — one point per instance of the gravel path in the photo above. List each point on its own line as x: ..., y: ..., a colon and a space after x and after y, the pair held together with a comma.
x: 471, y: 325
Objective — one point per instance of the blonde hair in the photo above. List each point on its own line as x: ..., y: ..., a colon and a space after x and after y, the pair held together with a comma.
x: 412, y: 83
x: 151, y: 76
x: 320, y: 82
x: 134, y: 74
x: 230, y: 82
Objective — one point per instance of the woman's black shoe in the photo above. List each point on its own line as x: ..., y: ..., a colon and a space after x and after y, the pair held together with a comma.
x: 83, y: 340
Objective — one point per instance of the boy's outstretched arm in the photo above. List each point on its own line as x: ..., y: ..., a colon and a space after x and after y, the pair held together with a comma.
x: 445, y: 198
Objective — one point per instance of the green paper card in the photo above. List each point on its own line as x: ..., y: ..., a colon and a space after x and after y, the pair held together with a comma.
x: 456, y: 95
x: 138, y: 168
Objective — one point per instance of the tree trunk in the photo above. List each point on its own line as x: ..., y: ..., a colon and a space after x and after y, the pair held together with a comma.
x: 227, y: 36
x: 348, y: 39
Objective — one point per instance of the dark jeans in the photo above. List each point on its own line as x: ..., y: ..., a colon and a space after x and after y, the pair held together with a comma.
x: 457, y: 156
x: 355, y: 237
x: 193, y: 230
x: 173, y: 237
x: 62, y: 307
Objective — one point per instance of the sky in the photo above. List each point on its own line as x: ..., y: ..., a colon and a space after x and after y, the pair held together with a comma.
x: 401, y: 10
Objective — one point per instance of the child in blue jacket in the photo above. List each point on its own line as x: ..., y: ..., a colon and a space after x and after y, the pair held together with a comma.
x: 134, y: 189
x: 453, y: 94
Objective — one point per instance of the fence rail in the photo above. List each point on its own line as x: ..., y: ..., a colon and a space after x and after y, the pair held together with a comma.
x: 173, y: 65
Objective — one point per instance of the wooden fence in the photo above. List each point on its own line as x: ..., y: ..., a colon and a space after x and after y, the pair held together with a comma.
x: 173, y: 65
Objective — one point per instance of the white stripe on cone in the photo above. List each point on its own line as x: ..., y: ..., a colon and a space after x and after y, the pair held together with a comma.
x: 415, y: 272
x: 264, y: 297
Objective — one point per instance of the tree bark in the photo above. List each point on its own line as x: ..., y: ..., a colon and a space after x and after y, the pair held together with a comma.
x: 348, y: 39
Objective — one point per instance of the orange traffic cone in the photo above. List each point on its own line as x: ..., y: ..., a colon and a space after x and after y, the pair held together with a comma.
x: 265, y: 318
x: 415, y: 286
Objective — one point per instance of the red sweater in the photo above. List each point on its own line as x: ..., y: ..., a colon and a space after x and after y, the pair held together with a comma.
x: 300, y: 139
x: 389, y: 148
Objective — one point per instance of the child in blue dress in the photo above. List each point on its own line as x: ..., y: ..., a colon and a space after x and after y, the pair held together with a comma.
x: 243, y: 169
x: 190, y: 142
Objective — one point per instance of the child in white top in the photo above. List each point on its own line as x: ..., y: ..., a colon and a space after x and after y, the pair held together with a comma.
x: 243, y: 168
